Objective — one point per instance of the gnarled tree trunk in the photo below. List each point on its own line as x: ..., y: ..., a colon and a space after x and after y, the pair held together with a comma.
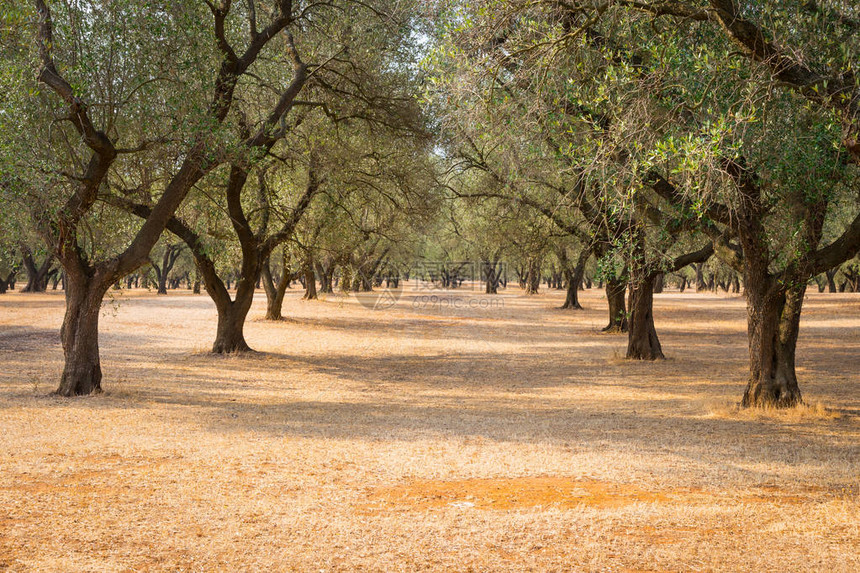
x: 230, y: 336
x: 574, y: 277
x: 831, y: 284
x: 168, y: 260
x: 8, y: 282
x: 492, y: 275
x: 37, y: 275
x: 310, y: 279
x: 571, y: 299
x: 773, y: 323
x: 615, y: 292
x: 533, y: 276
x: 325, y: 272
x: 82, y: 373
x: 642, y: 341
x: 275, y: 293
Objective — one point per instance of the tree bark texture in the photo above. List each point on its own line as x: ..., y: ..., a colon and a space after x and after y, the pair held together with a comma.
x: 642, y: 341
x: 615, y: 296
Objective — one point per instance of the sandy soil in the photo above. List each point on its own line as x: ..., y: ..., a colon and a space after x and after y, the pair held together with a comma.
x: 428, y: 436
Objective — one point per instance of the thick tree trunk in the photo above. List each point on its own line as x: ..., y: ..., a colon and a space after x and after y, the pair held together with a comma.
x: 574, y: 278
x: 275, y: 292
x: 168, y: 260
x: 700, y: 277
x: 642, y: 341
x: 345, y: 278
x: 533, y: 276
x: 852, y: 280
x: 7, y: 283
x: 821, y: 284
x: 571, y: 300
x: 325, y: 273
x: 82, y: 373
x: 37, y: 275
x: 773, y: 323
x: 230, y: 336
x: 522, y: 276
x: 310, y: 279
x: 162, y: 282
x: 831, y: 284
x: 615, y: 291
x: 682, y: 283
x: 556, y: 279
x: 268, y: 282
x: 658, y: 284
x: 491, y: 277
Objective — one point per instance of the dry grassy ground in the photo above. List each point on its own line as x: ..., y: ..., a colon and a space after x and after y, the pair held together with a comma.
x: 511, y: 438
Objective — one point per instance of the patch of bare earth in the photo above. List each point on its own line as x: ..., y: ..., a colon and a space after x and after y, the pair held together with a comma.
x: 430, y: 436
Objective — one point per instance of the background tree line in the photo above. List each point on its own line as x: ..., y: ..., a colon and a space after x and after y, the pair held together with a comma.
x: 237, y: 146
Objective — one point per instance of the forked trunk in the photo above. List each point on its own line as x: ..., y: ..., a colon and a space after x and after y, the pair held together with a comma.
x: 491, y: 278
x: 310, y: 279
x: 773, y: 323
x: 162, y: 283
x: 831, y: 284
x: 615, y: 291
x: 574, y: 278
x: 82, y: 373
x: 7, y: 283
x: 571, y: 301
x: 642, y: 341
x: 325, y: 272
x: 230, y: 336
x: 37, y: 275
x: 274, y: 292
